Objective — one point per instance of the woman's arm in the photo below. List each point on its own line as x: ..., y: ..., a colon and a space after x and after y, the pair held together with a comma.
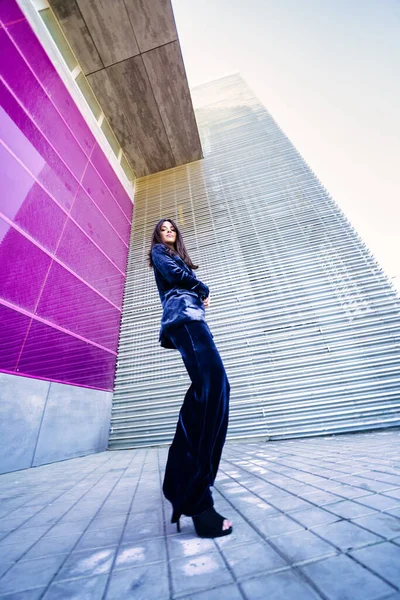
x: 173, y: 273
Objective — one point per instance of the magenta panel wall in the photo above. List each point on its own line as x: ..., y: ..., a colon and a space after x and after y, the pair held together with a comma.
x: 64, y: 224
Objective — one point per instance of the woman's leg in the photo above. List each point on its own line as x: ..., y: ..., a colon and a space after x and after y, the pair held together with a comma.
x: 195, y: 452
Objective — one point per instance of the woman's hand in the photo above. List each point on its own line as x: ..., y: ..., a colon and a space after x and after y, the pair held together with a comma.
x: 206, y: 302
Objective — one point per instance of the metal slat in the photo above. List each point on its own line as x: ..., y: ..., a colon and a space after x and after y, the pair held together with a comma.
x: 306, y: 321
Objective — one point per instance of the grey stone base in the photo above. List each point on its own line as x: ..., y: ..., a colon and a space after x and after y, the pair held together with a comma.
x: 43, y: 422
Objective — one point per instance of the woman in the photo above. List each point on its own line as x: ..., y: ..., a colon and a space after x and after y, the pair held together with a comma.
x: 195, y: 452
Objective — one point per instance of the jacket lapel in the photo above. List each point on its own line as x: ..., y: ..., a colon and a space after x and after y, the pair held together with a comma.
x: 182, y: 263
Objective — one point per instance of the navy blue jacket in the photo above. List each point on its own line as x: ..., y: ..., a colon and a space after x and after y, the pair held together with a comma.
x: 181, y: 293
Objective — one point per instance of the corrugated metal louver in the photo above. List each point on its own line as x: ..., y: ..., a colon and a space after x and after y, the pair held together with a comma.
x: 306, y: 321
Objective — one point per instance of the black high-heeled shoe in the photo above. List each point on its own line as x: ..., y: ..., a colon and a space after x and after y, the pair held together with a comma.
x: 208, y: 524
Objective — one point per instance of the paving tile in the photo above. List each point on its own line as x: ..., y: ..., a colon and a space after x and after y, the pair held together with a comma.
x: 298, y: 489
x: 77, y: 517
x: 24, y: 511
x: 9, y: 524
x: 84, y: 564
x: 259, y: 510
x: 226, y: 592
x: 383, y: 559
x: 137, y: 518
x: 144, y: 530
x: 278, y: 526
x: 84, y: 588
x: 141, y: 553
x: 49, y: 546
x: 47, y: 516
x: 380, y: 502
x: 14, y: 552
x: 11, y: 503
x: 302, y: 545
x: 278, y: 586
x: 390, y: 477
x: 65, y: 529
x: 349, y: 509
x: 382, y: 524
x: 291, y: 504
x: 24, y: 534
x: 394, y: 493
x: 108, y: 511
x: 100, y: 538
x: 42, y: 500
x: 320, y: 497
x: 348, y: 491
x: 346, y: 535
x: 5, y: 565
x: 241, y: 534
x: 30, y: 573
x: 251, y: 559
x: 373, y: 486
x: 313, y: 517
x: 34, y: 594
x: 199, y: 573
x: 267, y: 491
x: 341, y: 578
x: 327, y: 484
x: 148, y: 582
x: 106, y: 522
x: 184, y: 545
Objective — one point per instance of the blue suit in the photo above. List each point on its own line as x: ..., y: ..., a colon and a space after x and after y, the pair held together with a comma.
x: 181, y: 293
x: 195, y: 452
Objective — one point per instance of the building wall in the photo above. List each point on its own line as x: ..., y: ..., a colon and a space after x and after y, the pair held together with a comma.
x: 306, y: 321
x: 65, y: 220
x: 43, y: 422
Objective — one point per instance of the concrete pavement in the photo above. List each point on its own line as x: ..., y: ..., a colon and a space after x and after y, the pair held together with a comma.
x: 313, y: 518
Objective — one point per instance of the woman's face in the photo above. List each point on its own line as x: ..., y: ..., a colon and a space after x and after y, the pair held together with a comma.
x: 168, y: 234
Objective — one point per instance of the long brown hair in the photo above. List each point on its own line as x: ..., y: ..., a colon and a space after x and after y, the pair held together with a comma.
x: 179, y: 249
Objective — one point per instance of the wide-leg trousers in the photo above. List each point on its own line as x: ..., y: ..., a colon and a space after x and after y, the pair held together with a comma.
x: 195, y: 452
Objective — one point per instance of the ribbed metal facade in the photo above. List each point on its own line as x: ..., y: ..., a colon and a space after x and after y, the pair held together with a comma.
x: 306, y: 322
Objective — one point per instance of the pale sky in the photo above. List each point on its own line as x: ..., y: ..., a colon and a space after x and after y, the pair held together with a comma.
x: 329, y: 73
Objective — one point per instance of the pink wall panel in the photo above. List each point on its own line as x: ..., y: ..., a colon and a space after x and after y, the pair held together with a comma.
x: 13, y: 330
x: 23, y: 269
x: 26, y: 204
x: 38, y: 61
x: 94, y: 223
x: 87, y: 261
x: 24, y: 85
x: 114, y: 185
x: 101, y: 195
x: 29, y: 145
x: 64, y: 224
x: 57, y: 356
x: 69, y: 314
